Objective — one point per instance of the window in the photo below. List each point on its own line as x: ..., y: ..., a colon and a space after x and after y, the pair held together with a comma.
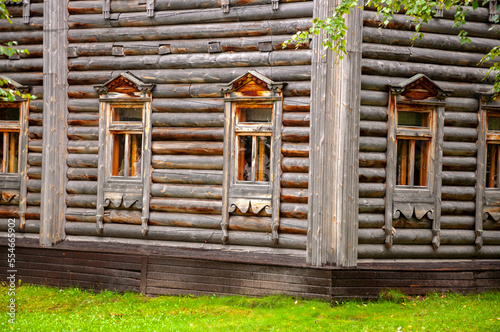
x: 124, y: 147
x: 252, y: 149
x: 492, y: 150
x: 414, y: 154
x: 9, y: 138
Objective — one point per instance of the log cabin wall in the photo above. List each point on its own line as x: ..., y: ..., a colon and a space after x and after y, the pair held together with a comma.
x: 26, y: 69
x: 389, y: 58
x: 190, y: 50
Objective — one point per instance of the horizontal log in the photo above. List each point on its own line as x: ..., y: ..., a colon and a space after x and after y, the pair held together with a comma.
x: 84, y: 105
x: 372, y: 144
x: 457, y: 222
x: 371, y: 190
x: 372, y: 159
x: 373, y: 175
x: 82, y: 174
x: 187, y: 148
x: 295, y: 149
x: 460, y: 119
x: 35, y: 172
x: 186, y: 191
x: 458, y: 193
x: 424, y: 236
x: 35, y: 145
x: 81, y: 201
x: 293, y: 210
x: 36, y: 9
x: 187, y: 119
x: 82, y: 160
x: 83, y: 147
x: 295, y: 165
x: 296, y: 104
x: 380, y: 251
x: 35, y: 119
x: 200, y: 16
x: 371, y: 205
x: 294, y: 180
x: 9, y: 211
x: 31, y: 226
x: 34, y: 186
x: 34, y: 159
x: 83, y: 133
x: 175, y: 61
x: 452, y: 178
x: 185, y: 220
x: 35, y: 132
x: 457, y: 208
x: 460, y: 134
x: 82, y: 187
x: 187, y: 162
x: 188, y: 134
x: 295, y: 134
x: 182, y: 107
x: 186, y: 176
x: 373, y: 128
x: 33, y: 199
x: 184, y: 234
x: 8, y: 65
x: 371, y: 220
x: 83, y: 119
x: 36, y: 23
x: 195, y: 75
x: 459, y: 149
x: 185, y: 205
x: 373, y: 113
x: 374, y: 98
x: 296, y: 119
x: 293, y: 195
x: 459, y: 164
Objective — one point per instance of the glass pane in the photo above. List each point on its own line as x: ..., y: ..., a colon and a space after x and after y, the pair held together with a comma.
x: 263, y: 170
x: 127, y: 114
x: 402, y: 173
x: 118, y: 166
x: 421, y: 159
x: 9, y: 114
x: 135, y: 153
x: 413, y: 119
x: 244, y: 168
x: 494, y: 123
x: 2, y: 161
x: 255, y: 114
x: 492, y: 166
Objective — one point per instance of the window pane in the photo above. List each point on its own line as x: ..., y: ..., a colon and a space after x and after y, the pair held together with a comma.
x: 127, y: 114
x: 9, y: 114
x: 118, y: 167
x: 244, y: 168
x: 494, y: 123
x: 413, y: 119
x: 421, y: 159
x: 255, y: 114
x: 402, y: 169
x: 135, y: 155
x: 263, y: 158
x: 492, y: 166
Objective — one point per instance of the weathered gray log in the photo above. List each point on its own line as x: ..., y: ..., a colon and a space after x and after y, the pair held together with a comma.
x: 433, y: 71
x: 185, y: 205
x: 195, y: 75
x: 294, y: 180
x: 188, y: 134
x: 462, y: 104
x: 293, y: 195
x: 295, y: 165
x: 36, y: 9
x: 459, y: 149
x: 295, y: 149
x: 185, y: 106
x: 491, y: 225
x: 9, y: 211
x: 185, y: 220
x: 297, y: 119
x: 457, y: 222
x: 23, y: 38
x: 8, y: 66
x: 84, y: 105
x: 187, y: 148
x: 33, y: 212
x: 34, y: 159
x: 34, y: 105
x: 82, y: 187
x: 83, y: 147
x: 83, y: 133
x: 186, y: 191
x: 371, y: 205
x: 34, y: 186
x: 35, y: 172
x: 294, y: 210
x: 373, y: 128
x: 452, y: 178
x: 373, y: 175
x: 371, y: 190
x: 82, y: 160
x: 296, y: 104
x: 33, y: 199
x: 460, y: 134
x: 35, y: 132
x: 200, y: 16
x: 373, y: 159
x: 35, y: 145
x: 459, y: 164
x: 83, y: 119
x: 371, y: 220
x: 380, y: 251
x: 31, y: 226
x: 35, y: 119
x: 424, y: 236
x: 295, y: 134
x: 373, y: 113
x: 36, y: 23
x: 457, y: 208
x: 82, y: 174
x: 374, y: 98
x: 81, y: 201
x: 372, y: 144
x: 460, y: 119
x: 186, y: 176
x: 188, y: 162
x: 175, y: 61
x: 187, y: 119
x: 172, y: 32
x: 458, y: 193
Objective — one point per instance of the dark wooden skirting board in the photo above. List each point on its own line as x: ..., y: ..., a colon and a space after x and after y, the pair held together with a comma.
x: 176, y: 271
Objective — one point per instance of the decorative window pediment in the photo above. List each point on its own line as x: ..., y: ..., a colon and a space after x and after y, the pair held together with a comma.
x: 414, y: 153
x: 124, y: 146
x: 252, y: 149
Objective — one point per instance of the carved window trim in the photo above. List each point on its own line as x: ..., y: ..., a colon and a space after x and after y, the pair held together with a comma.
x: 14, y: 185
x: 252, y: 196
x: 487, y: 199
x: 417, y: 94
x: 124, y: 91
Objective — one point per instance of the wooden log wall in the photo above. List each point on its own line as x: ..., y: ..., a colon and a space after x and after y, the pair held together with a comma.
x: 27, y: 70
x: 190, y: 50
x: 388, y: 58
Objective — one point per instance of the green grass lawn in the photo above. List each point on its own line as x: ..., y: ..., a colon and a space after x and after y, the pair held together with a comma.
x: 54, y: 309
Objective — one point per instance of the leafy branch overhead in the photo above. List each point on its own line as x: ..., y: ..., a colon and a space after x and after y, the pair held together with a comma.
x: 8, y: 49
x: 420, y: 11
